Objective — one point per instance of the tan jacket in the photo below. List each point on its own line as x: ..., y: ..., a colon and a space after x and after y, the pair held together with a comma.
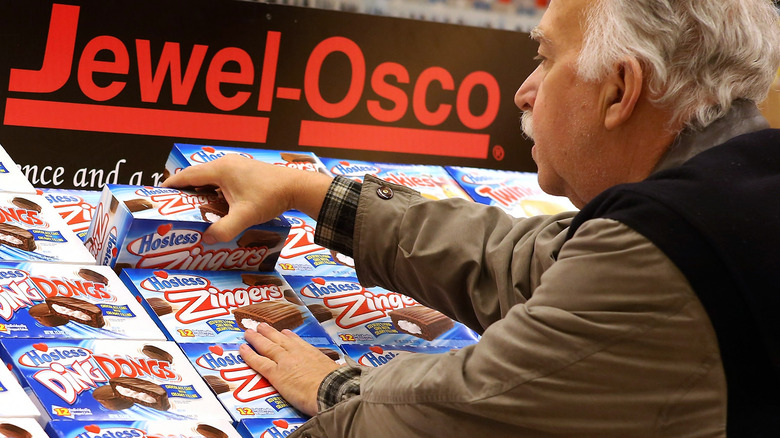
x: 597, y: 336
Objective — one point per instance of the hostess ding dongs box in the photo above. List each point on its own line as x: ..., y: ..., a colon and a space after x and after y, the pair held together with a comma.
x: 21, y: 428
x: 240, y: 389
x: 13, y: 399
x: 268, y: 428
x: 433, y: 182
x: 162, y: 228
x: 185, y: 155
x: 76, y: 207
x: 353, y: 314
x: 11, y: 177
x: 142, y: 429
x: 203, y: 306
x: 95, y: 380
x: 51, y: 300
x: 517, y: 193
x: 30, y: 229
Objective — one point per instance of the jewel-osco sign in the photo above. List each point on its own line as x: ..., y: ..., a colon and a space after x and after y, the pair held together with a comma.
x: 99, y: 91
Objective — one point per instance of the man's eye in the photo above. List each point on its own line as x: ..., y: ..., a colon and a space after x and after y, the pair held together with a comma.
x: 540, y: 59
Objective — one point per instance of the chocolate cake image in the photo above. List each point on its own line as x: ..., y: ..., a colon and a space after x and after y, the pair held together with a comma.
x: 278, y: 314
x: 77, y: 310
x: 141, y: 392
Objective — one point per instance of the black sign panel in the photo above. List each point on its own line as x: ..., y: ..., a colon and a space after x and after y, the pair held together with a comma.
x: 96, y: 91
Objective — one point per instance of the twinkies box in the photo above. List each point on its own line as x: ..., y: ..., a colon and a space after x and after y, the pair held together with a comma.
x: 51, y: 300
x: 162, y: 228
x: 11, y: 177
x: 76, y: 207
x: 21, y: 428
x: 203, y: 306
x: 30, y: 229
x: 96, y: 380
x: 353, y: 314
x: 268, y: 428
x: 13, y: 399
x: 301, y: 256
x: 517, y: 193
x: 240, y: 389
x: 142, y: 429
x: 185, y: 155
x: 433, y: 182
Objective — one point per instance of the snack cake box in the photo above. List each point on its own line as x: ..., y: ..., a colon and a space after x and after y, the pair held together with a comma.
x: 185, y: 155
x: 13, y: 399
x: 162, y: 228
x: 353, y: 314
x: 21, y: 428
x: 76, y: 207
x: 51, y: 300
x: 243, y: 392
x: 517, y: 193
x: 204, y: 306
x: 11, y: 177
x: 301, y: 256
x: 31, y: 229
x: 103, y: 379
x: 379, y: 355
x: 433, y: 182
x: 142, y: 429
x: 269, y: 428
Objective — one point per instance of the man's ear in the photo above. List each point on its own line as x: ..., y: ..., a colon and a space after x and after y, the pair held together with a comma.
x: 623, y: 89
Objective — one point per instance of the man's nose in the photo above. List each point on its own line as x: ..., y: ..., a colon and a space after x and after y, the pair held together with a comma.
x: 525, y: 98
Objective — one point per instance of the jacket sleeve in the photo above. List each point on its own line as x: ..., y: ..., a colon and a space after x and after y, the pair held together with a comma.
x: 603, y: 346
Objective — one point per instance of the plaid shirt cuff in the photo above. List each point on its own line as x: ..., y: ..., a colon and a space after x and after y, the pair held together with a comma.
x: 336, y: 222
x: 338, y: 386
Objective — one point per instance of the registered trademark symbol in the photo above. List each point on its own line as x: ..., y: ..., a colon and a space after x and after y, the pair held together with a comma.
x: 498, y: 152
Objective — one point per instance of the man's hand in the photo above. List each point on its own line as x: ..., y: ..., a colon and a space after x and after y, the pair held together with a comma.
x: 255, y: 191
x: 293, y: 366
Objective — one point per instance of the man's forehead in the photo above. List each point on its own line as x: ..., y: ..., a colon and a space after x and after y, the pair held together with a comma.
x: 562, y: 22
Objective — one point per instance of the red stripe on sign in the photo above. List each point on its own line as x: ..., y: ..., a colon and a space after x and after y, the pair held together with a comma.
x: 142, y: 121
x: 393, y: 139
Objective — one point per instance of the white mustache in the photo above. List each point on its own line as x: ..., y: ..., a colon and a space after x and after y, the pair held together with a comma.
x: 527, y: 124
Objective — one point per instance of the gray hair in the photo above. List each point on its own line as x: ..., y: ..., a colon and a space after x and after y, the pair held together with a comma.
x: 699, y: 56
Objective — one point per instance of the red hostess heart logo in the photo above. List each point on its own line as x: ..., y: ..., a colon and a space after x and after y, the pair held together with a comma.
x: 138, y: 298
x: 163, y: 229
x: 320, y: 281
x: 377, y: 350
x: 161, y: 274
x: 216, y: 349
x: 41, y: 347
x: 10, y: 367
x: 38, y: 192
x: 280, y: 424
x: 209, y: 149
x: 93, y: 428
x: 114, y: 252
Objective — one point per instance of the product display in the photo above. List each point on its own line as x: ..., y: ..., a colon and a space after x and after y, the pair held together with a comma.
x: 218, y: 306
x: 161, y: 228
x: 517, y: 193
x: 301, y: 256
x: 47, y: 300
x: 76, y: 207
x: 30, y: 229
x: 71, y: 379
x: 268, y: 428
x: 378, y: 355
x: 375, y: 316
x: 139, y: 429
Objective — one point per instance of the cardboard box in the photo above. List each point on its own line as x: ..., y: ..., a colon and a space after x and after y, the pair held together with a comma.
x: 269, y: 428
x: 301, y: 256
x: 185, y: 155
x: 380, y: 355
x: 13, y: 399
x: 31, y: 229
x: 50, y: 300
x: 11, y: 178
x: 162, y: 228
x: 141, y: 429
x: 21, y: 427
x: 517, y: 193
x: 353, y: 314
x: 76, y: 207
x: 94, y: 380
x: 199, y: 306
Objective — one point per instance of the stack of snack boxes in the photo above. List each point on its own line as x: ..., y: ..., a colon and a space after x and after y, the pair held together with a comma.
x: 100, y: 355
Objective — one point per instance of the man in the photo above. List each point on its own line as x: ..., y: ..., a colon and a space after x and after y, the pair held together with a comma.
x: 650, y: 313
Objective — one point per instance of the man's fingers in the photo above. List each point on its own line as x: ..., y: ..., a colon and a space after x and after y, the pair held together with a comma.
x: 238, y: 219
x: 194, y: 176
x: 262, y: 365
x: 272, y: 334
x: 263, y: 345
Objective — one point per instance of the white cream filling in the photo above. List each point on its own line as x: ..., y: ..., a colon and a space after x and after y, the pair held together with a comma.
x: 211, y: 217
x: 250, y: 324
x: 10, y: 239
x: 70, y: 312
x: 141, y: 396
x: 409, y: 327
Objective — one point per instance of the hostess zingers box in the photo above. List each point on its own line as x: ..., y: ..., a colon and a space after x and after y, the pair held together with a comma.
x: 162, y: 228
